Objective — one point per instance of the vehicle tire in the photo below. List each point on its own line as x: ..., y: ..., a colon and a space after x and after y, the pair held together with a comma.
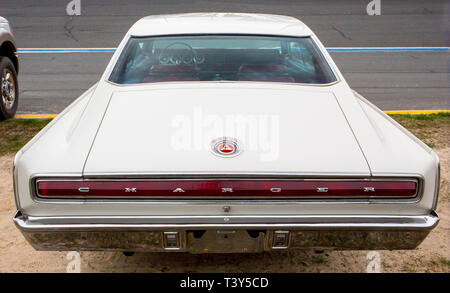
x: 9, y: 89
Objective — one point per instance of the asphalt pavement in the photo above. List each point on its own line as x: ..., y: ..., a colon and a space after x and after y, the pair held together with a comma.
x: 392, y: 80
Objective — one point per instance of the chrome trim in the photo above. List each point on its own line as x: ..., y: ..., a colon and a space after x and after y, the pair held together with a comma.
x: 237, y: 145
x: 126, y: 175
x: 130, y: 85
x: 15, y: 179
x: 288, y: 240
x: 329, y: 60
x: 438, y: 180
x: 181, y: 240
x: 28, y: 223
x: 235, y: 200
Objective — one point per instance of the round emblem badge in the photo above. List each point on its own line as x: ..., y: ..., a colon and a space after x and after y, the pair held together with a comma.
x: 225, y: 147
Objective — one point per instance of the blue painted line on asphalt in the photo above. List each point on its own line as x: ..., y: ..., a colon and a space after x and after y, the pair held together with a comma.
x: 66, y: 50
x: 388, y: 49
x: 337, y: 49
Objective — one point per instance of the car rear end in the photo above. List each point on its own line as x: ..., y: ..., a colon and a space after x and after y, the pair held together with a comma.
x: 135, y: 191
x: 251, y: 215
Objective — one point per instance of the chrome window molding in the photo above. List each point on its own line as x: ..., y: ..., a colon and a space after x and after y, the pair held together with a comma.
x: 329, y: 60
x: 216, y: 200
x: 222, y: 82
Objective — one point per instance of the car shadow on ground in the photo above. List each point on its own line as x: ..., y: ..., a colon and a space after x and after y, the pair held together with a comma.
x: 265, y: 262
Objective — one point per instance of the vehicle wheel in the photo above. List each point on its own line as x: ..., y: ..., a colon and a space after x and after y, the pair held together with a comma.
x: 9, y: 89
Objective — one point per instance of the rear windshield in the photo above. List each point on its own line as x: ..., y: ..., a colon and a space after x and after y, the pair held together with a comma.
x: 216, y: 58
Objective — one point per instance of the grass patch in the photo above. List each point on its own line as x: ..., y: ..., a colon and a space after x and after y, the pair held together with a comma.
x: 319, y: 259
x: 444, y: 261
x: 422, y: 116
x: 409, y: 269
x: 15, y: 133
x: 432, y: 129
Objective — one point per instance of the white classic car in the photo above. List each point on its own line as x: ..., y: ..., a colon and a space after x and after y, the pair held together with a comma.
x: 221, y: 132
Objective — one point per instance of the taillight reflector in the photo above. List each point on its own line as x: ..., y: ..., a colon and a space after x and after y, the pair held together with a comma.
x: 226, y: 188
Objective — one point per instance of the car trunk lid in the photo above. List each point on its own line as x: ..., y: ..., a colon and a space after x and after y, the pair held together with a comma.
x: 280, y: 130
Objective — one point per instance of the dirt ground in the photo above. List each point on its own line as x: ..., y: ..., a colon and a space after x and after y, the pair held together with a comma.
x: 16, y: 255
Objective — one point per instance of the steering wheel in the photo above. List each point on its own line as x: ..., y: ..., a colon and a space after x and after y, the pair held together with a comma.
x: 163, y: 59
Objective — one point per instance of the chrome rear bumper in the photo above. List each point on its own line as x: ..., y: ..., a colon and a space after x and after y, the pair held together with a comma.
x: 225, y: 233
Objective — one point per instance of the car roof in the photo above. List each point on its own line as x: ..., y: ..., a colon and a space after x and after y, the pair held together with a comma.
x: 219, y: 23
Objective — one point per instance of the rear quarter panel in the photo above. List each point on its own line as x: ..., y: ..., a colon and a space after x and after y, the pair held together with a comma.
x: 392, y: 149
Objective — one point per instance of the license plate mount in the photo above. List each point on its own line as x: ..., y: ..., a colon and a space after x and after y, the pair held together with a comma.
x: 225, y: 242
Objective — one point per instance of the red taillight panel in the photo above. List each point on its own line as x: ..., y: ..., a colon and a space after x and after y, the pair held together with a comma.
x: 213, y: 188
